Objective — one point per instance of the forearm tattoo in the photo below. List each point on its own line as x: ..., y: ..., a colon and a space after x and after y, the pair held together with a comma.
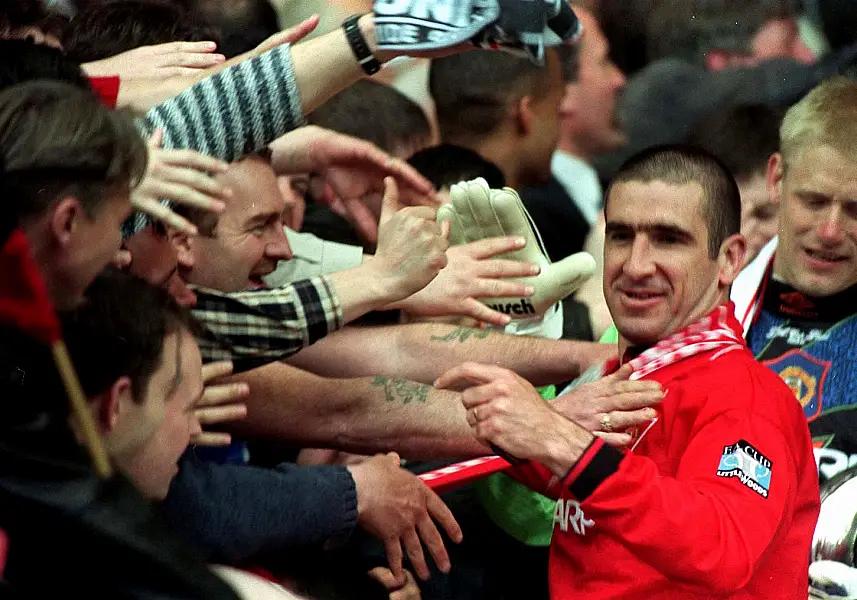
x: 462, y: 334
x: 402, y: 389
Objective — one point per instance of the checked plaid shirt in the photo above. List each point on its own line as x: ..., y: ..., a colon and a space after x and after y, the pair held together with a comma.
x: 257, y: 327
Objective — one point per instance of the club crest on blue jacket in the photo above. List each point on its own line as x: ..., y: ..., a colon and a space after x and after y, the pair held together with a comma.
x: 805, y: 375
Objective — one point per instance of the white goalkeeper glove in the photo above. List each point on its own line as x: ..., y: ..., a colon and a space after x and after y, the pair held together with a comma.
x: 477, y: 212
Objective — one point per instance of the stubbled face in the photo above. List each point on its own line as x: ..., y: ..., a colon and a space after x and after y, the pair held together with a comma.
x: 249, y: 240
x: 658, y: 275
x: 758, y: 214
x: 153, y: 464
x: 817, y: 194
x: 589, y: 106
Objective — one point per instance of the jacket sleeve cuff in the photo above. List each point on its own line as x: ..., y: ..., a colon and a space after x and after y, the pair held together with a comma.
x: 599, y: 461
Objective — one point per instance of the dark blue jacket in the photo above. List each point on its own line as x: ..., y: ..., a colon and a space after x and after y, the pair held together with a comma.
x: 231, y: 512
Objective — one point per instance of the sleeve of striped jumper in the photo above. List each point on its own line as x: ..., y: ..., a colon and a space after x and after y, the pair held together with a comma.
x: 235, y: 112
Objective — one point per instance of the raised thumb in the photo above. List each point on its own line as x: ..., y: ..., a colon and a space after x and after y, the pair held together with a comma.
x: 567, y: 275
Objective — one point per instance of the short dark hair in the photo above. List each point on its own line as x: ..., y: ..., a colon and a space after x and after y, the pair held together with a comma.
x: 682, y: 165
x: 116, y: 26
x: 120, y: 330
x: 447, y: 164
x: 743, y: 137
x: 242, y: 24
x: 58, y: 139
x: 374, y: 112
x: 690, y: 28
x: 472, y: 90
x: 24, y: 60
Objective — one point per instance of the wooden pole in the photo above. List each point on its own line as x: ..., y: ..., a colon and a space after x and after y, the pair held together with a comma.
x: 91, y: 437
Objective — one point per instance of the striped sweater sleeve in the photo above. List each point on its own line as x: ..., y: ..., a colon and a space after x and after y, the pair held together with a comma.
x: 235, y: 112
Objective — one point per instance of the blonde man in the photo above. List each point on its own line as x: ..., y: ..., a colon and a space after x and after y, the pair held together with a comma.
x: 796, y: 301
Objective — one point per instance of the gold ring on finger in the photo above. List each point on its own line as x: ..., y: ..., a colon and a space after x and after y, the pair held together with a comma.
x: 605, y: 423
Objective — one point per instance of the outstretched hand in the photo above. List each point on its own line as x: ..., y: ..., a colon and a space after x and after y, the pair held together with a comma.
x: 163, y: 61
x: 220, y: 403
x: 478, y: 212
x: 472, y: 272
x: 505, y: 410
x: 613, y: 406
x: 350, y: 170
x: 401, y: 511
x: 183, y: 177
x: 411, y: 245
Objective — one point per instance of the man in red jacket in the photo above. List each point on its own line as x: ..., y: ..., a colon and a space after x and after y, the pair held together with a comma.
x: 718, y: 496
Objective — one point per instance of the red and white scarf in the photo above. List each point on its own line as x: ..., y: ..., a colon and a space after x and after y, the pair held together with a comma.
x: 712, y: 332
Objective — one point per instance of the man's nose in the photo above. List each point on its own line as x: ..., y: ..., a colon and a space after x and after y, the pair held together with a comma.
x: 279, y: 248
x: 639, y: 263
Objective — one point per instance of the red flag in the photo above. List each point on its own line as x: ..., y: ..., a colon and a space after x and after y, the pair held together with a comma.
x: 24, y: 302
x: 106, y: 88
x: 25, y: 305
x: 4, y: 552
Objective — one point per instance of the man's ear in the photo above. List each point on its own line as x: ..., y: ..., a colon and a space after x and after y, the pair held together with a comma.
x: 65, y: 219
x: 524, y: 116
x: 774, y: 177
x: 112, y: 405
x: 187, y: 250
x: 184, y: 248
x: 731, y: 259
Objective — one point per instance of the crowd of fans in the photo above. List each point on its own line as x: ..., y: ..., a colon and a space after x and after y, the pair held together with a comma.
x: 287, y: 289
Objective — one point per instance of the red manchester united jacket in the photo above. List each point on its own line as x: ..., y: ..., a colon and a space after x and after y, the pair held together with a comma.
x: 719, y: 498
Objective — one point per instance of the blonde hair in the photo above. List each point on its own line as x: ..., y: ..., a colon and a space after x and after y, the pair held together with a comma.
x: 827, y: 116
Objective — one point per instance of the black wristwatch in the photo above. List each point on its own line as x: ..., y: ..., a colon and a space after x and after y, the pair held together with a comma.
x: 359, y: 47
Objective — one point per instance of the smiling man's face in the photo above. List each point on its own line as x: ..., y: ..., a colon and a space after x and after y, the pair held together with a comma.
x: 248, y: 240
x: 659, y: 275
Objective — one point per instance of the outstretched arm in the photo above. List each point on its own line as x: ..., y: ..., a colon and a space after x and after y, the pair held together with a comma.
x: 365, y: 416
x: 422, y: 352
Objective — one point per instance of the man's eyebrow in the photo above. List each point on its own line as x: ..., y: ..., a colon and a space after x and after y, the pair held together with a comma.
x: 653, y: 227
x: 670, y: 229
x: 262, y: 219
x: 615, y: 225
